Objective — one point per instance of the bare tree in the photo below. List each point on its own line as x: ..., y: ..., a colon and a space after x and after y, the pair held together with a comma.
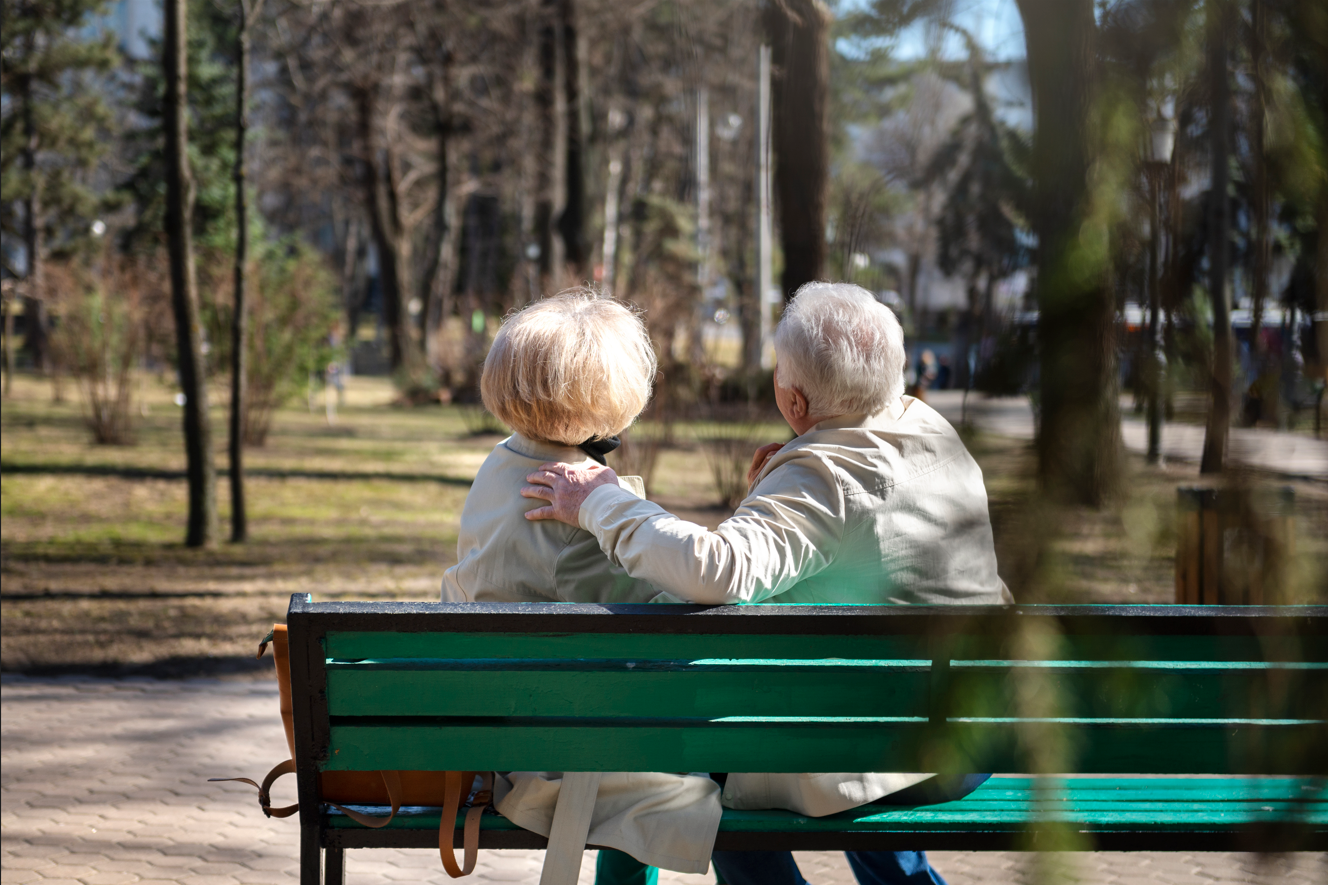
x: 903, y: 148
x: 572, y: 220
x: 202, y: 529
x: 249, y: 10
x: 438, y: 58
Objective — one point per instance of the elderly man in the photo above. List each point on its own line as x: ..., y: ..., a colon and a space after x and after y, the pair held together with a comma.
x: 875, y: 501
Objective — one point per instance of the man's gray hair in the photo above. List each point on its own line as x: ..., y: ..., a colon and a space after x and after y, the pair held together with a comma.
x: 842, y: 348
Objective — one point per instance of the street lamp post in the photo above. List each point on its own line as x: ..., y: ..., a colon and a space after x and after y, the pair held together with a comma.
x: 1161, y: 143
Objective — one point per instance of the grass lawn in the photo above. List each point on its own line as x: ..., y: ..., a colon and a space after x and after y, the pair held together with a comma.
x: 95, y: 577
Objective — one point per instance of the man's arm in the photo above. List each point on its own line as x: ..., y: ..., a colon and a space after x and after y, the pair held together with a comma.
x: 787, y: 530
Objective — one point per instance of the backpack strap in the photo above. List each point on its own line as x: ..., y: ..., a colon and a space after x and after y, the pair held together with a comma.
x: 456, y: 785
x: 391, y: 780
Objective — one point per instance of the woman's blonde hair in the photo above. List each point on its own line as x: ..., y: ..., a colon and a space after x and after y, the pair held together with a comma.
x: 570, y: 368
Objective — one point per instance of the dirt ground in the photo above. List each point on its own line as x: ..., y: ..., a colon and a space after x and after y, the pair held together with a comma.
x: 95, y: 578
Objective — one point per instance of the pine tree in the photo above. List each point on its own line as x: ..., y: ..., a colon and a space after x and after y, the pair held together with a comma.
x: 52, y: 133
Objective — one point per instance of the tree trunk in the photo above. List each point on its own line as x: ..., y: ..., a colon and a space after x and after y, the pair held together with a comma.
x: 240, y: 316
x: 441, y: 274
x: 962, y: 377
x: 572, y: 221
x: 739, y: 250
x: 1079, y: 439
x: 1219, y: 225
x: 911, y: 273
x: 798, y: 31
x: 202, y: 471
x: 9, y: 345
x: 546, y: 157
x: 352, y: 284
x: 645, y: 166
x: 613, y: 194
x: 35, y: 316
x: 1259, y: 198
x: 1320, y: 321
x: 393, y: 241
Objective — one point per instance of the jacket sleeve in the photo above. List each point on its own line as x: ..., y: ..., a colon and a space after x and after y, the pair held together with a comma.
x: 787, y: 530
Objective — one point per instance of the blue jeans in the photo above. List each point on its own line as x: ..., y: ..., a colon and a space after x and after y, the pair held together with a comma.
x: 869, y: 867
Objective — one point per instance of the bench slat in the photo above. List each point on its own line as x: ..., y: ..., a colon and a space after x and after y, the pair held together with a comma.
x: 755, y: 745
x: 686, y: 691
x: 978, y: 642
x: 1010, y: 806
x: 664, y: 689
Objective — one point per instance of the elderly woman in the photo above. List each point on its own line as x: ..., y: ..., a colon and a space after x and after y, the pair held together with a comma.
x: 568, y: 374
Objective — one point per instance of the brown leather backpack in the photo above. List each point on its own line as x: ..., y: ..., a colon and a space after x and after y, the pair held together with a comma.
x: 395, y: 788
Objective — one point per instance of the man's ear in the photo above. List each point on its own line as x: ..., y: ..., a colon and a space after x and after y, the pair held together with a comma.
x: 799, y: 403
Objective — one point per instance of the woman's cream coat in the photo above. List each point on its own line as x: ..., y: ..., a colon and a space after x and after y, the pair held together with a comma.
x: 666, y: 820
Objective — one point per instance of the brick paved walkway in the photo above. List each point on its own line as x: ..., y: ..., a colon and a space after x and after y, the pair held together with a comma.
x: 104, y: 783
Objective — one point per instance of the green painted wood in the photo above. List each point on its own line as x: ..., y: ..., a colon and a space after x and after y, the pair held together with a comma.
x: 1123, y: 646
x: 1013, y: 804
x: 716, y: 688
x: 359, y: 645
x: 783, y: 745
x: 704, y: 691
x: 1210, y: 690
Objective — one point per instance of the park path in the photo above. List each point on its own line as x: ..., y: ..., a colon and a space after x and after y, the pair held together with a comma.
x: 104, y: 783
x: 1292, y: 455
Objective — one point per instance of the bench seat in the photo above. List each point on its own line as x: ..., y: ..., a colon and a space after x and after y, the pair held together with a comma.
x: 1121, y: 814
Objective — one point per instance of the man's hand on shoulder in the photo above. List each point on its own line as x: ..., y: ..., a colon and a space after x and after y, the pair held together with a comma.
x: 763, y: 454
x: 565, y: 488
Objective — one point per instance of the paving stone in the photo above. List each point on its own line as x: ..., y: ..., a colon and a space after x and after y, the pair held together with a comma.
x: 26, y: 863
x: 265, y: 877
x: 65, y: 871
x: 208, y: 880
x: 110, y: 877
x: 216, y: 869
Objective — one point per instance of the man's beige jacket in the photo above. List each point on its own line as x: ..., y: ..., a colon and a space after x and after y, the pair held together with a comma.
x: 866, y: 509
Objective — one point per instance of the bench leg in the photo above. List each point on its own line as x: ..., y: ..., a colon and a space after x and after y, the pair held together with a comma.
x: 310, y: 857
x: 334, y: 866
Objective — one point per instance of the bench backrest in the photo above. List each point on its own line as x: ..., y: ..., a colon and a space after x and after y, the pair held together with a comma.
x: 1088, y: 689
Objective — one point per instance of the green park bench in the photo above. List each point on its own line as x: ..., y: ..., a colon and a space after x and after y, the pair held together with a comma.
x: 1151, y: 727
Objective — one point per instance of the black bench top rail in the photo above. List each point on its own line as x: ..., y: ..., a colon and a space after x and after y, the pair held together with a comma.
x: 1308, y: 621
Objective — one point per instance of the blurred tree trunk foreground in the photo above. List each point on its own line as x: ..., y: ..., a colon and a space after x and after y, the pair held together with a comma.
x: 799, y: 34
x: 202, y: 472
x: 1219, y: 228
x: 1079, y: 439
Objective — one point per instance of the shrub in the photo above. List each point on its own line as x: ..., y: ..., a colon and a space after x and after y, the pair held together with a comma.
x: 102, y: 313
x: 729, y: 437
x: 293, y: 310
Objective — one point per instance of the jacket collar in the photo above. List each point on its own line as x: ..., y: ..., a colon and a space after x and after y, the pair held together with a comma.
x: 540, y: 450
x: 880, y: 421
